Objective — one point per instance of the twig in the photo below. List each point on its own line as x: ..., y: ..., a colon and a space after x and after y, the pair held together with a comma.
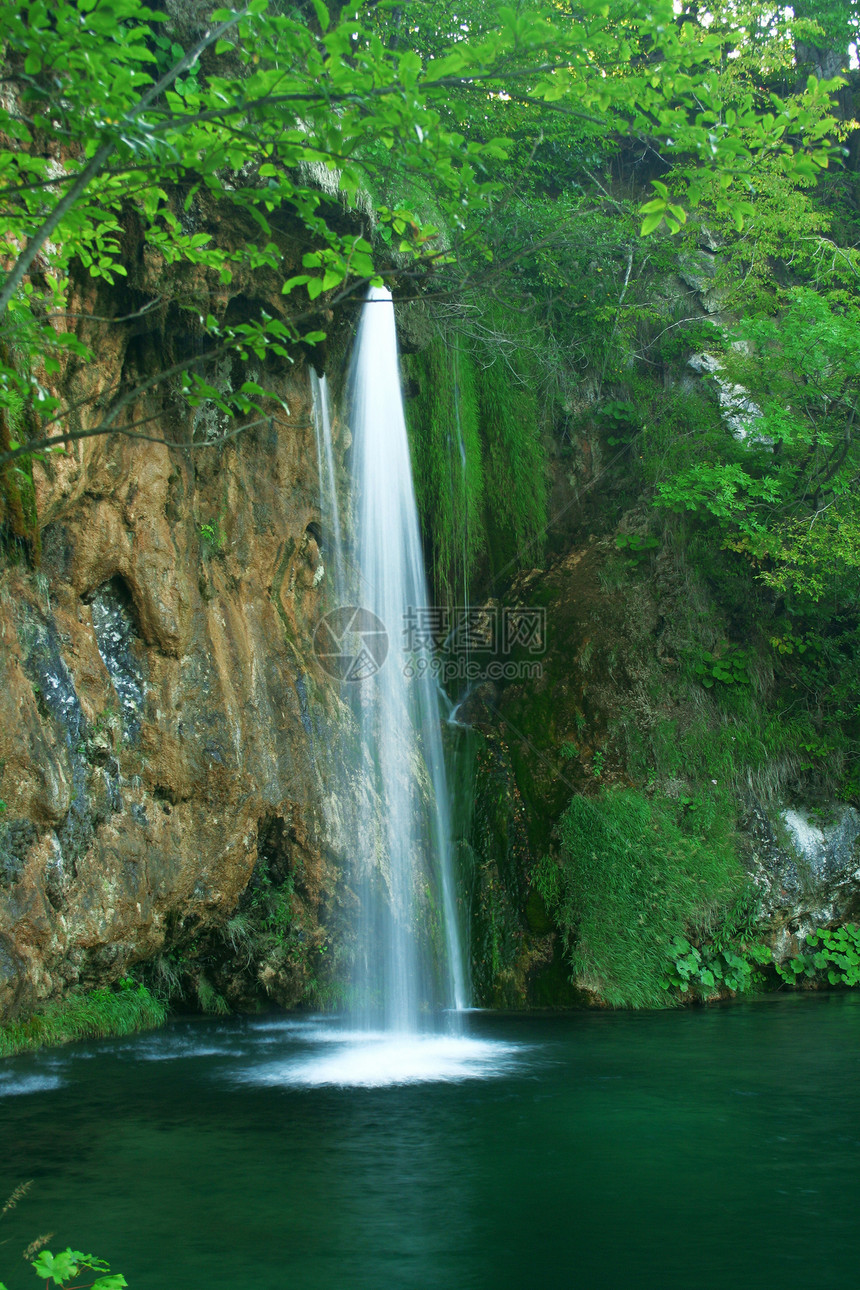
x: 130, y: 433
x: 615, y: 322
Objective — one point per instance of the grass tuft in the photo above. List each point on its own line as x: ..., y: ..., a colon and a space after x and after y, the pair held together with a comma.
x: 84, y: 1016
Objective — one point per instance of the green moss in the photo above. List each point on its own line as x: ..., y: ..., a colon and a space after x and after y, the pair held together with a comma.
x: 447, y: 463
x: 551, y: 987
x: 85, y: 1016
x: 479, y: 460
x: 633, y: 874
x: 515, y: 469
x: 534, y: 721
x: 498, y: 855
x: 18, y: 507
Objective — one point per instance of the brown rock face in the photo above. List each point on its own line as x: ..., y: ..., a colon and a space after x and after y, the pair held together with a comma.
x: 161, y: 712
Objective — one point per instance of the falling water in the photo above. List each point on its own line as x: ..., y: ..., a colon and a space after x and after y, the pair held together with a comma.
x: 410, y: 962
x: 329, y: 500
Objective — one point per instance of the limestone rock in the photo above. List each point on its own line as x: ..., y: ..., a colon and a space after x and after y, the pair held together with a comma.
x: 806, y: 869
x: 159, y: 695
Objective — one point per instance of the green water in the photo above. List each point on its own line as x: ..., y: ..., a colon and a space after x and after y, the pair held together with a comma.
x: 698, y: 1150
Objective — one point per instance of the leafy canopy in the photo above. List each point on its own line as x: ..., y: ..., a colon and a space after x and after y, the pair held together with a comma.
x: 108, y: 122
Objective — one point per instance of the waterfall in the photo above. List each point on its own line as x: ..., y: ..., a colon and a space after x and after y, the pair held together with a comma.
x: 410, y: 958
x: 329, y: 500
x: 386, y: 803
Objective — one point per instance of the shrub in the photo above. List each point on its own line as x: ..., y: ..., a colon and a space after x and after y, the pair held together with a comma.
x: 632, y: 876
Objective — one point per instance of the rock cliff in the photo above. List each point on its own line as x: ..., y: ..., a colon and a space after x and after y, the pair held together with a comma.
x: 161, y: 712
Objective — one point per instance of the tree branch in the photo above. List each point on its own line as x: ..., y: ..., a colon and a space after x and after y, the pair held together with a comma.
x: 129, y: 432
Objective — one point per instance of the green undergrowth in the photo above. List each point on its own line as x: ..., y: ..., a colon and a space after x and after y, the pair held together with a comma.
x: 633, y: 874
x: 59, y: 1269
x: 832, y: 956
x: 731, y: 743
x: 701, y: 971
x: 97, y: 1014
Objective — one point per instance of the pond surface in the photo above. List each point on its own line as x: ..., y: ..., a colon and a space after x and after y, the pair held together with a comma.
x: 692, y: 1150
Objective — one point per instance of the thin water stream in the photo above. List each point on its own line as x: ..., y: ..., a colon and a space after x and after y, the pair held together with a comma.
x: 712, y: 1149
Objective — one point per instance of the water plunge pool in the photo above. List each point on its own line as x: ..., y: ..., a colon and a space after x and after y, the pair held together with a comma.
x: 700, y: 1150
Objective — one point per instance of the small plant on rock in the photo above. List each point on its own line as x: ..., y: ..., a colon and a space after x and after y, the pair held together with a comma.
x: 728, y: 667
x: 834, y: 953
x: 639, y: 548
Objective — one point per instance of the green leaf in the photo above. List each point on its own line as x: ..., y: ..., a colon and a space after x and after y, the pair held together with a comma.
x: 62, y: 1267
x: 295, y: 282
x: 650, y: 223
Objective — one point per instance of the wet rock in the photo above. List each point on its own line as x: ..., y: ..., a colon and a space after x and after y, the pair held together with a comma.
x: 805, y: 866
x: 16, y: 838
x: 739, y: 410
x: 146, y: 728
x: 115, y: 629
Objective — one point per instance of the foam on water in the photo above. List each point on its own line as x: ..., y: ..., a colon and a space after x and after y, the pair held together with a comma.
x: 11, y: 1087
x: 181, y: 1052
x: 169, y: 1048
x: 366, y: 1059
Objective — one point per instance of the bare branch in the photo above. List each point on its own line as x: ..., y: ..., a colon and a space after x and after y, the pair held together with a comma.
x: 129, y: 432
x: 138, y: 313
